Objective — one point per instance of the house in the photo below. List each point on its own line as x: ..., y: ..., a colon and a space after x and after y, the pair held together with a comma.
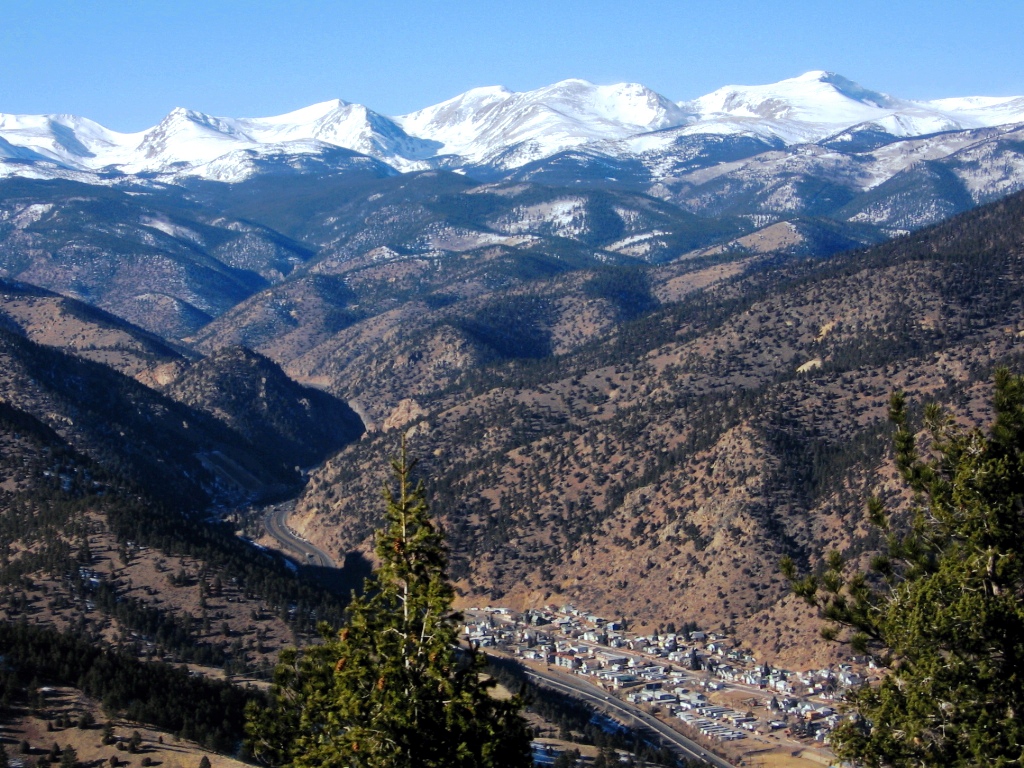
x: 851, y: 679
x: 618, y: 679
x: 567, y: 660
x: 653, y: 673
x: 610, y: 659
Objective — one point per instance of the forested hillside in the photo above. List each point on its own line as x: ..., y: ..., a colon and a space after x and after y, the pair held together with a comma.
x: 660, y: 469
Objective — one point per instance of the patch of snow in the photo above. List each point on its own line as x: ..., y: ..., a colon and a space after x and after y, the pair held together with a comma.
x: 563, y: 217
x: 30, y: 214
x: 170, y: 228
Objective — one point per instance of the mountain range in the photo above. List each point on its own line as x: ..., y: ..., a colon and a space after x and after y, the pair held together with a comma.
x: 643, y: 347
x: 493, y: 127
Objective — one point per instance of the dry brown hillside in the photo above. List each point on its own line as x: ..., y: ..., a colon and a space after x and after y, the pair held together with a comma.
x: 662, y: 473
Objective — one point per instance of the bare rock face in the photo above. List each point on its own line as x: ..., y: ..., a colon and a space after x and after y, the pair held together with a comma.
x: 408, y: 410
x: 161, y: 376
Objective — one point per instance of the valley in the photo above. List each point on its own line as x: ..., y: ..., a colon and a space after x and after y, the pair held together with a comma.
x: 640, y: 350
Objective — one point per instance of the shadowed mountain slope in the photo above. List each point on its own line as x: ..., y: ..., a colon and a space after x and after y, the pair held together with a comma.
x: 282, y: 420
x: 161, y: 445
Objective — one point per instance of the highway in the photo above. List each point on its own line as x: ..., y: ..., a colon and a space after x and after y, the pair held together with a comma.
x: 594, y: 695
x: 275, y: 522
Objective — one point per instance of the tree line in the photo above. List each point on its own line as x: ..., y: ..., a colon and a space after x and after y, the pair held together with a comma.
x: 208, y: 711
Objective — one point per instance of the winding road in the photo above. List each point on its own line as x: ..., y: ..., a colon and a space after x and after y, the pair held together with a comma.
x: 275, y: 522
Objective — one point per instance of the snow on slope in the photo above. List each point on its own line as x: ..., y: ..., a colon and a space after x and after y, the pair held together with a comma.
x: 983, y: 111
x: 71, y: 141
x: 10, y: 151
x: 341, y: 124
x: 211, y: 147
x: 818, y: 104
x: 485, y: 122
x: 485, y: 125
x: 813, y: 97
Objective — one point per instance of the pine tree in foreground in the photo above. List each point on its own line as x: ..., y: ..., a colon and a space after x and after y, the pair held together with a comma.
x: 391, y: 689
x: 942, y: 608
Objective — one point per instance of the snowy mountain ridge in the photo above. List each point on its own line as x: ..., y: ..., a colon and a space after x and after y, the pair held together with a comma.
x: 485, y: 126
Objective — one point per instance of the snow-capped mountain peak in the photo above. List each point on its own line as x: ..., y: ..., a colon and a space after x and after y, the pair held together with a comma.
x: 819, y: 104
x: 184, y: 136
x: 485, y: 122
x: 64, y: 139
x: 815, y: 97
x: 304, y: 115
x: 492, y: 126
x: 626, y: 104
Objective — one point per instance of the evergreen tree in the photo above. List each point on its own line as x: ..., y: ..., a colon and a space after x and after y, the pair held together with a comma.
x: 606, y: 758
x: 942, y: 607
x: 390, y: 689
x: 68, y: 757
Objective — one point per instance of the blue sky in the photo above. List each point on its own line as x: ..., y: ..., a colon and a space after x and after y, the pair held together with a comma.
x: 127, y: 63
